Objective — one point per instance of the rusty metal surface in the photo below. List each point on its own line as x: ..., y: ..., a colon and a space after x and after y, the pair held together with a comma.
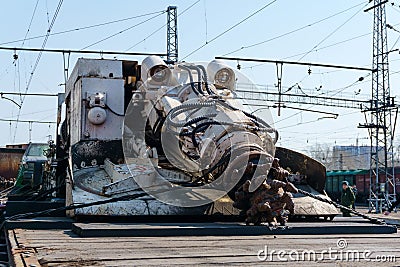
x: 314, y: 173
x: 297, y: 162
x: 272, y: 202
x: 9, y: 161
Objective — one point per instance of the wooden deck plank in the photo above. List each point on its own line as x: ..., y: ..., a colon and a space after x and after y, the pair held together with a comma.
x: 64, y: 248
x: 206, y: 261
x: 197, y: 263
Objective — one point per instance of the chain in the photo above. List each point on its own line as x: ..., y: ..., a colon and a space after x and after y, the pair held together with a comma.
x: 371, y: 219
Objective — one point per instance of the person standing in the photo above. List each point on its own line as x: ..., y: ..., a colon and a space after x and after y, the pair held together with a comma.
x: 347, y: 198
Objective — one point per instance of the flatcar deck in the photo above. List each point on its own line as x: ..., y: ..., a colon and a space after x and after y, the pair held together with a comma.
x: 63, y: 247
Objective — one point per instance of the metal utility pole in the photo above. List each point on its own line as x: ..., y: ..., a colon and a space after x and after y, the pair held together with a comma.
x: 172, y: 35
x: 382, y: 179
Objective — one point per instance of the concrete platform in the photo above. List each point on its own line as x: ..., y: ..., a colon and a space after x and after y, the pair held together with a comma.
x: 340, y: 225
x: 393, y: 218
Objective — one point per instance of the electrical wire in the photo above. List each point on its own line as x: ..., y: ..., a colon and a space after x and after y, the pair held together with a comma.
x: 148, y: 36
x: 332, y: 33
x: 205, y: 20
x: 334, y: 44
x: 27, y: 121
x: 85, y: 27
x: 160, y: 28
x: 293, y: 115
x: 114, y: 112
x: 395, y: 7
x: 122, y: 31
x: 37, y: 63
x: 293, y: 31
x: 337, y: 91
x: 317, y: 50
x: 30, y: 23
x: 325, y: 133
x: 298, y: 124
x: 230, y: 28
x: 47, y: 14
x: 44, y: 42
x: 331, y: 45
x: 15, y: 62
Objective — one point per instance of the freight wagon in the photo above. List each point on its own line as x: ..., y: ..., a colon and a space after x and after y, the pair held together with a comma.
x: 360, y: 178
x: 10, y: 158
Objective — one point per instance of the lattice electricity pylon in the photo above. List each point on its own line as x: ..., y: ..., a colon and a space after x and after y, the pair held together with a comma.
x: 382, y: 179
x: 172, y: 35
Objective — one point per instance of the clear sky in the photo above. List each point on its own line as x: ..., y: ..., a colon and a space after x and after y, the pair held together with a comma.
x: 335, y: 32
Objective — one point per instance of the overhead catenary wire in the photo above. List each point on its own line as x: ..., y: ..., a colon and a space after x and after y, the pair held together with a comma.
x: 122, y: 31
x: 31, y: 113
x: 30, y: 23
x: 43, y: 45
x: 307, y: 64
x: 331, y: 45
x: 16, y: 61
x: 230, y: 28
x: 319, y: 49
x: 160, y: 28
x: 37, y: 63
x: 28, y: 121
x: 148, y: 36
x: 296, y: 63
x: 47, y: 14
x: 300, y: 112
x: 205, y: 21
x: 332, y: 33
x: 293, y: 31
x: 27, y: 94
x: 324, y: 133
x: 316, y: 50
x: 68, y: 51
x: 83, y: 28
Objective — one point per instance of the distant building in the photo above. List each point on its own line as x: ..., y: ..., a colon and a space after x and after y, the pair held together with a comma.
x: 344, y: 157
x: 350, y: 158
